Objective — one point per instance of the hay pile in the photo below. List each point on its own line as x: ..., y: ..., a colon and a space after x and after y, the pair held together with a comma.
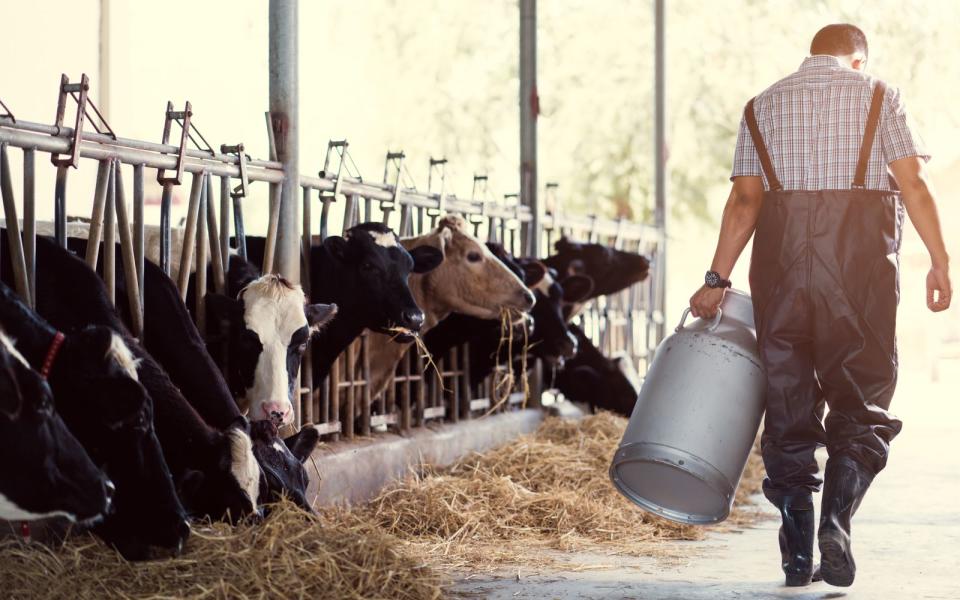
x: 290, y: 555
x: 546, y: 490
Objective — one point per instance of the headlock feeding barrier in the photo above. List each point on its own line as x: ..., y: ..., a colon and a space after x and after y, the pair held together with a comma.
x: 629, y: 322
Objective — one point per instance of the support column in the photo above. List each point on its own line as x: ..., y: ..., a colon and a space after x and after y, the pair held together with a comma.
x: 284, y: 109
x: 660, y: 153
x: 529, y: 110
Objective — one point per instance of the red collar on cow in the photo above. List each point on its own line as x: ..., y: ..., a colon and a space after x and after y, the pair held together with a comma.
x: 51, y: 354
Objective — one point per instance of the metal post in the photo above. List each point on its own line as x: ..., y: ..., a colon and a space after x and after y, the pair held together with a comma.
x: 284, y: 108
x: 103, y: 72
x: 660, y: 150
x: 529, y: 109
x: 138, y: 228
x: 30, y: 221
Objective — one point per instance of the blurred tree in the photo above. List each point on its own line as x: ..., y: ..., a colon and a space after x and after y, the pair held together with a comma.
x: 453, y: 67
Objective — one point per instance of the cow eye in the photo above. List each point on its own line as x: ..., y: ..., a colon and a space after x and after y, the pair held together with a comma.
x: 474, y: 256
x: 366, y: 266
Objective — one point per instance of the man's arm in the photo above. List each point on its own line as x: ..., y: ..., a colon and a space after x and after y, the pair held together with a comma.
x: 736, y: 227
x: 922, y: 209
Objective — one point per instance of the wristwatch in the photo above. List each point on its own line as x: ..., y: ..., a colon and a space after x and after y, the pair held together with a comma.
x: 713, y: 280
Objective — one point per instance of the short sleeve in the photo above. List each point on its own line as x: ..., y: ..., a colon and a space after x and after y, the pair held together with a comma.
x: 898, y: 135
x: 746, y: 162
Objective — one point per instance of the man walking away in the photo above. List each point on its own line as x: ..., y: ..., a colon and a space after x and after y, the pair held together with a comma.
x: 812, y: 182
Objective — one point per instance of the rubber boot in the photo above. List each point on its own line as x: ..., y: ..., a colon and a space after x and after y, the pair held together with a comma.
x: 845, y: 484
x: 796, y: 537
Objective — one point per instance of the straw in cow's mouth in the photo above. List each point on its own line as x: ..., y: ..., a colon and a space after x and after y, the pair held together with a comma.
x: 508, y: 319
x: 422, y: 351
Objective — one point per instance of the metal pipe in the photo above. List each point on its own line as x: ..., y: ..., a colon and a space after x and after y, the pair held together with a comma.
x: 30, y: 222
x: 284, y: 108
x: 225, y: 223
x: 14, y: 241
x: 98, y: 151
x: 189, y: 236
x: 660, y: 141
x: 273, y: 226
x: 201, y: 283
x: 125, y: 143
x: 60, y: 207
x: 529, y: 110
x: 216, y: 262
x: 110, y: 235
x: 138, y: 226
x: 166, y: 205
x: 96, y: 216
x: 238, y: 228
x: 132, y: 264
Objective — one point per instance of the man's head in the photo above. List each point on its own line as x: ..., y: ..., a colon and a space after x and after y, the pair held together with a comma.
x: 846, y: 42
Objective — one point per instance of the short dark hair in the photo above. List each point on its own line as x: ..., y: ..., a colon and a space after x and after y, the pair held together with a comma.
x: 839, y: 39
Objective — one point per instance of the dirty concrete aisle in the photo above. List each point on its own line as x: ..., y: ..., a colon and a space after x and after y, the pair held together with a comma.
x: 907, y: 533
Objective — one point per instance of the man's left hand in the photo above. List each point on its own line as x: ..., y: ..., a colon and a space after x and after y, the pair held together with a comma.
x: 706, y: 302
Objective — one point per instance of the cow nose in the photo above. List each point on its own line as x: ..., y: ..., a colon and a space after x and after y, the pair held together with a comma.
x: 183, y: 532
x: 276, y: 412
x: 527, y: 299
x: 412, y: 319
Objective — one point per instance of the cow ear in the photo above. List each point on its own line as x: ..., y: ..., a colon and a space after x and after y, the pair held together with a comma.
x: 223, y: 307
x: 563, y: 243
x: 426, y: 258
x: 319, y: 315
x: 303, y: 443
x: 577, y: 288
x: 336, y: 246
x: 533, y: 273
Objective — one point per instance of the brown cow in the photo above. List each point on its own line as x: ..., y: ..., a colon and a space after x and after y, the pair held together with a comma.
x: 470, y: 280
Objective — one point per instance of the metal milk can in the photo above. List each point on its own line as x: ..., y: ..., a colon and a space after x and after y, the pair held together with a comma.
x: 696, y: 418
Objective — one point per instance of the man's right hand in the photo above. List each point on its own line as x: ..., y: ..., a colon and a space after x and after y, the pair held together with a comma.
x: 938, y: 289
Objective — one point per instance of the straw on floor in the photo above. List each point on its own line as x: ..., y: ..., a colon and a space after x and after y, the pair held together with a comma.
x: 290, y: 555
x: 546, y: 490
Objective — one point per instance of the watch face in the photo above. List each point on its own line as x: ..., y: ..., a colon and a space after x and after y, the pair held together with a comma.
x: 712, y: 279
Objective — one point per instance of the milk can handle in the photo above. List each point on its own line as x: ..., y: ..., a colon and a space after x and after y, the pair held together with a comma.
x: 713, y: 326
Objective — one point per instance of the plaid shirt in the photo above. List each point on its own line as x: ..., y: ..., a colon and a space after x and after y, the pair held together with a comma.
x: 812, y: 123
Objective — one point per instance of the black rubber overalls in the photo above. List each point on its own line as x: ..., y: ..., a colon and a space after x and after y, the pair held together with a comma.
x: 824, y: 277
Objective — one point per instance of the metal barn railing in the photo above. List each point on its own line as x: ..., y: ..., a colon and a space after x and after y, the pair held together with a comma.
x: 627, y: 322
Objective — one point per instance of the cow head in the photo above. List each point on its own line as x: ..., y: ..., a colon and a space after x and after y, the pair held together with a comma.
x: 45, y: 472
x: 551, y: 340
x: 371, y: 276
x: 282, y: 461
x: 269, y: 327
x: 99, y: 395
x: 611, y: 270
x: 228, y: 488
x: 471, y: 279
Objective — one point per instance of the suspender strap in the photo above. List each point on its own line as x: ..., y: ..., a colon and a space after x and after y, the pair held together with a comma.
x: 761, y: 148
x: 873, y: 119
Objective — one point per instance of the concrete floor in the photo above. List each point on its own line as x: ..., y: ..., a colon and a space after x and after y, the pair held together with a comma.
x: 907, y: 533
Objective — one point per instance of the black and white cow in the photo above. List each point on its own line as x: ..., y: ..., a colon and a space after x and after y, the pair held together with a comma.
x: 268, y: 326
x: 214, y: 469
x: 173, y: 340
x: 282, y: 461
x: 365, y: 274
x: 94, y: 380
x: 44, y: 471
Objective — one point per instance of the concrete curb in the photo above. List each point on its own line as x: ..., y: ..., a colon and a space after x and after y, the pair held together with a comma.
x: 356, y: 471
